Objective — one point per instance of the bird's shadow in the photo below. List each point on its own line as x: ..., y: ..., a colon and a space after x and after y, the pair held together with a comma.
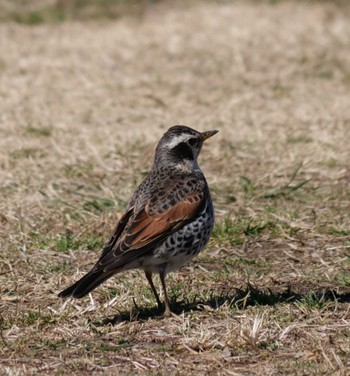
x: 239, y: 299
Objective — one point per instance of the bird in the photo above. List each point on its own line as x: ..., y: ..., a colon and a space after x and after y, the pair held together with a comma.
x: 167, y: 222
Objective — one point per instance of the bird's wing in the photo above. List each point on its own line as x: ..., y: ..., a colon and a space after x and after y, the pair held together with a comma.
x: 145, y: 231
x: 116, y: 233
x: 147, y: 228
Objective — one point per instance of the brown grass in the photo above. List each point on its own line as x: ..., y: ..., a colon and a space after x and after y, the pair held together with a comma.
x: 82, y: 107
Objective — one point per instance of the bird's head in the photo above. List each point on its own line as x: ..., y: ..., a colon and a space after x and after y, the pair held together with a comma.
x: 181, y: 145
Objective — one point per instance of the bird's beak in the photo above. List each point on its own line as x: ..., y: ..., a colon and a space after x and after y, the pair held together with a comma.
x: 208, y: 134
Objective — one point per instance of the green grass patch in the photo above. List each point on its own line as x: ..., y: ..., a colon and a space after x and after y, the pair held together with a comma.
x: 65, y: 242
x: 38, y: 131
x: 228, y: 231
x: 247, y: 185
x: 342, y: 279
x: 235, y: 231
x: 120, y: 345
x: 99, y: 205
x: 68, y: 242
x: 27, y: 153
x: 338, y: 231
x: 37, y: 317
x: 29, y: 18
x: 312, y: 301
x: 61, y: 10
x: 78, y: 169
x: 303, y: 139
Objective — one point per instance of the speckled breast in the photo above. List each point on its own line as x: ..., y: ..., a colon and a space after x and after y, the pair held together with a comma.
x: 184, y: 244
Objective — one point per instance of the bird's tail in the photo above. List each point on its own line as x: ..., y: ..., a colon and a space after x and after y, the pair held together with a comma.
x: 86, y: 284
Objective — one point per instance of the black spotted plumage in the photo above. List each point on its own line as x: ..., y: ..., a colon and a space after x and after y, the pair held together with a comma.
x: 168, y: 219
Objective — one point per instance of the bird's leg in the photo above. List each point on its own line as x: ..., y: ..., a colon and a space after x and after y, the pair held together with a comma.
x: 167, y: 311
x: 149, y: 279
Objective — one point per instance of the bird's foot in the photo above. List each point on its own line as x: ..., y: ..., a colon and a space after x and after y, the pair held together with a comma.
x: 167, y: 312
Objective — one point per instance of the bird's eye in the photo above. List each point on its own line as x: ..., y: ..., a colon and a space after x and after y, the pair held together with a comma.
x: 192, y: 141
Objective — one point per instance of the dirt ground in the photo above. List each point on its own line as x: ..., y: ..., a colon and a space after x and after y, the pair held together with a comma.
x: 83, y: 103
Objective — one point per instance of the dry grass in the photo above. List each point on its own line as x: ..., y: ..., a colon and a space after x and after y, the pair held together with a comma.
x: 82, y: 107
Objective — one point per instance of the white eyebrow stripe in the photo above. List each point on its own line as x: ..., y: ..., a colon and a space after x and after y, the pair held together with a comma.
x: 177, y: 140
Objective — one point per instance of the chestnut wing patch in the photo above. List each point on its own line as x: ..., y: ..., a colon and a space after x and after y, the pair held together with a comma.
x: 148, y: 231
x: 147, y: 228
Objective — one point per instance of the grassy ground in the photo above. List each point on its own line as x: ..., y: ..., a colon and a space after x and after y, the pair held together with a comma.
x: 83, y: 104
